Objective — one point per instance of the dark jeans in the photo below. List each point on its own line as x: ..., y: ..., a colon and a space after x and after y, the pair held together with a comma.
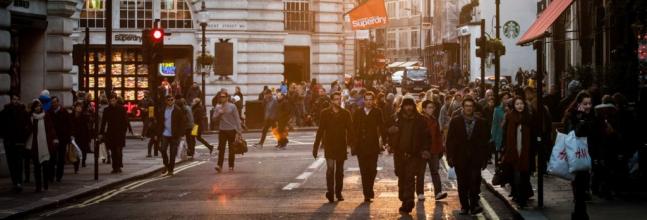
x: 521, y: 187
x: 153, y: 145
x: 224, y: 137
x: 469, y: 186
x: 434, y: 164
x: 14, y: 154
x: 57, y: 162
x: 42, y: 171
x: 580, y: 186
x: 190, y: 143
x: 116, y: 155
x: 267, y: 124
x: 368, y: 170
x: 169, y: 144
x: 408, y: 168
x: 334, y: 176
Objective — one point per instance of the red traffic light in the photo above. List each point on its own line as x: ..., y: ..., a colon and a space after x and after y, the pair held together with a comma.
x: 158, y: 34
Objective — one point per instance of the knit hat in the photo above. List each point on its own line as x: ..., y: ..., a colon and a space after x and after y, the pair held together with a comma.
x: 406, y: 102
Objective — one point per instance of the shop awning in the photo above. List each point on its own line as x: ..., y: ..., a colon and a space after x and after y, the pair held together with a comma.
x: 408, y: 64
x: 395, y: 64
x: 545, y: 20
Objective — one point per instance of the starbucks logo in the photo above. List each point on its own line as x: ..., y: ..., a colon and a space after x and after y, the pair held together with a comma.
x: 511, y: 29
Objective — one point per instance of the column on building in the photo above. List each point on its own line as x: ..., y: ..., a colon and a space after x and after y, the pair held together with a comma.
x: 58, y: 79
x: 349, y: 40
x: 5, y: 57
x: 328, y: 41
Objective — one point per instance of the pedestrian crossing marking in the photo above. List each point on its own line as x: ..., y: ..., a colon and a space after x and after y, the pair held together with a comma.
x: 291, y: 186
x: 304, y: 176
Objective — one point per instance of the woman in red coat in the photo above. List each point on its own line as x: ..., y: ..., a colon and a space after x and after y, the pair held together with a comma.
x: 516, y: 154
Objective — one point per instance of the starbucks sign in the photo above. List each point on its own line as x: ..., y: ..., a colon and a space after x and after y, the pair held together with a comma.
x: 511, y: 29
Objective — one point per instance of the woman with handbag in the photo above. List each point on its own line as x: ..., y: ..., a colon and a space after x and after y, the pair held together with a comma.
x: 81, y: 127
x: 229, y: 129
x: 517, y: 153
x: 579, y: 118
x: 42, y: 140
x: 200, y: 119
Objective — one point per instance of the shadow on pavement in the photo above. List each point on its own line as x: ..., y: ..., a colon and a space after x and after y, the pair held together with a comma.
x: 325, y: 211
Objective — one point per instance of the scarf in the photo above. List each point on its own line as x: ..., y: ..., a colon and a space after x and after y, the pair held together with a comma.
x: 41, y: 137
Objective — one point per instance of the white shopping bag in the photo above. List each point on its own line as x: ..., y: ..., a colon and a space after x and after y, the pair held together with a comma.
x: 451, y: 174
x: 558, y: 164
x: 577, y: 150
x: 103, y: 152
x: 77, y: 150
x: 182, y: 154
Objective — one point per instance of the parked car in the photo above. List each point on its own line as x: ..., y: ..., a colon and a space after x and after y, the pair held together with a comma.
x: 396, y: 77
x: 415, y: 79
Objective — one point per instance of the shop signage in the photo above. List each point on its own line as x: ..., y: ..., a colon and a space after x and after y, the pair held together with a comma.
x: 167, y: 69
x: 228, y: 26
x: 368, y: 15
x: 127, y: 37
x: 511, y: 29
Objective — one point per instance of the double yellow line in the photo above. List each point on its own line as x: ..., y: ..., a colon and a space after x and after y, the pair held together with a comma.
x: 107, y: 195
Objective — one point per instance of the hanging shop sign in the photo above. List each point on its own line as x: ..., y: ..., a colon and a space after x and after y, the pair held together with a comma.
x: 371, y: 14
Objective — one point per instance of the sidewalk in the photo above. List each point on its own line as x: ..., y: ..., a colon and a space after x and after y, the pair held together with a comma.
x: 138, y: 126
x: 72, y: 186
x: 558, y: 201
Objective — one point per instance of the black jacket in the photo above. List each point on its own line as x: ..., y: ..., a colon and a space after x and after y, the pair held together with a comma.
x: 334, y: 133
x: 367, y: 130
x: 114, y: 125
x: 15, y: 128
x: 62, y: 124
x: 177, y: 122
x: 463, y: 152
x: 421, y: 136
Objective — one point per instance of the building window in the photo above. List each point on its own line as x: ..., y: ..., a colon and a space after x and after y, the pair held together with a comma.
x: 414, y: 39
x: 415, y: 7
x: 175, y: 14
x: 390, y: 40
x: 403, y: 40
x: 297, y: 15
x: 136, y: 14
x: 92, y: 14
x: 391, y: 9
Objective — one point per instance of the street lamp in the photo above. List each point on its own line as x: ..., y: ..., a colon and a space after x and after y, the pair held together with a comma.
x: 203, y: 25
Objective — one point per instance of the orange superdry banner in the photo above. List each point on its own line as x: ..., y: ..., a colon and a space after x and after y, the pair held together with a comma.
x: 371, y: 14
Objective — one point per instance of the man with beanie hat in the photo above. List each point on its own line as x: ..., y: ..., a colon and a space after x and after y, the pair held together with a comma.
x: 409, y: 139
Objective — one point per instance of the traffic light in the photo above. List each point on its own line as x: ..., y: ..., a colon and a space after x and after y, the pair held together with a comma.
x: 157, y: 44
x: 481, y: 47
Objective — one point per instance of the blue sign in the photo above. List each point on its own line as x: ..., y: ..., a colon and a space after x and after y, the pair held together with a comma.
x: 167, y: 69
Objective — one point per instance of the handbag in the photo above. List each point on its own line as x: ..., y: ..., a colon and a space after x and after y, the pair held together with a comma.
x: 194, y: 131
x: 240, y: 145
x: 70, y: 154
x: 558, y: 163
x: 577, y: 151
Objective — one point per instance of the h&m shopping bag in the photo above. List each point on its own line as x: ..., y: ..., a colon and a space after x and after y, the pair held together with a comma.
x: 558, y: 164
x: 577, y: 150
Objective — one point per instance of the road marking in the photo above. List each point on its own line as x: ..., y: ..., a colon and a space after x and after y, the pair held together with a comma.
x: 488, y: 210
x: 355, y: 169
x: 291, y: 186
x: 114, y: 192
x: 303, y: 177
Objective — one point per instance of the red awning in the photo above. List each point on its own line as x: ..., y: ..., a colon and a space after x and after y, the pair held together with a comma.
x: 545, y: 20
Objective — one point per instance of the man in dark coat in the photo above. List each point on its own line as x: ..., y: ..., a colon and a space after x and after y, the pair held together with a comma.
x: 15, y: 131
x: 334, y: 134
x: 271, y: 107
x: 62, y: 124
x: 170, y: 127
x: 409, y: 139
x: 468, y: 151
x: 114, y: 125
x: 368, y: 127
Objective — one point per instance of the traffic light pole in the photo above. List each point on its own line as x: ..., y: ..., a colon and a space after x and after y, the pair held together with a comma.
x: 108, y: 48
x: 497, y: 61
x: 482, y: 86
x: 539, y: 46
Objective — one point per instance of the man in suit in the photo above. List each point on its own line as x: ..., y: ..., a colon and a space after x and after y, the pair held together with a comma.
x: 468, y: 152
x: 62, y: 125
x: 114, y: 125
x: 334, y: 134
x: 171, y: 128
x: 368, y: 127
x: 410, y: 140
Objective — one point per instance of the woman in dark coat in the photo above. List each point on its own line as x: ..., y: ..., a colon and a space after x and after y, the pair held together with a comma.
x: 579, y: 118
x: 42, y: 140
x: 81, y: 128
x: 517, y: 152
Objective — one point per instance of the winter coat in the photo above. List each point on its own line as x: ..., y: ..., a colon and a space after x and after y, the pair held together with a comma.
x: 15, y: 127
x: 470, y: 152
x: 420, y: 136
x: 62, y: 124
x: 114, y: 125
x: 436, y: 142
x: 334, y: 133
x: 367, y: 130
x: 520, y: 161
x: 178, y: 125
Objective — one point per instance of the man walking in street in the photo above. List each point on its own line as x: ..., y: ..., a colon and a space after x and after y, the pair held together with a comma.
x: 468, y: 151
x: 271, y: 113
x: 410, y: 142
x: 368, y: 127
x: 171, y: 127
x: 334, y: 134
x: 435, y: 150
x: 114, y: 125
x: 15, y: 131
x: 62, y: 125
x: 230, y: 129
